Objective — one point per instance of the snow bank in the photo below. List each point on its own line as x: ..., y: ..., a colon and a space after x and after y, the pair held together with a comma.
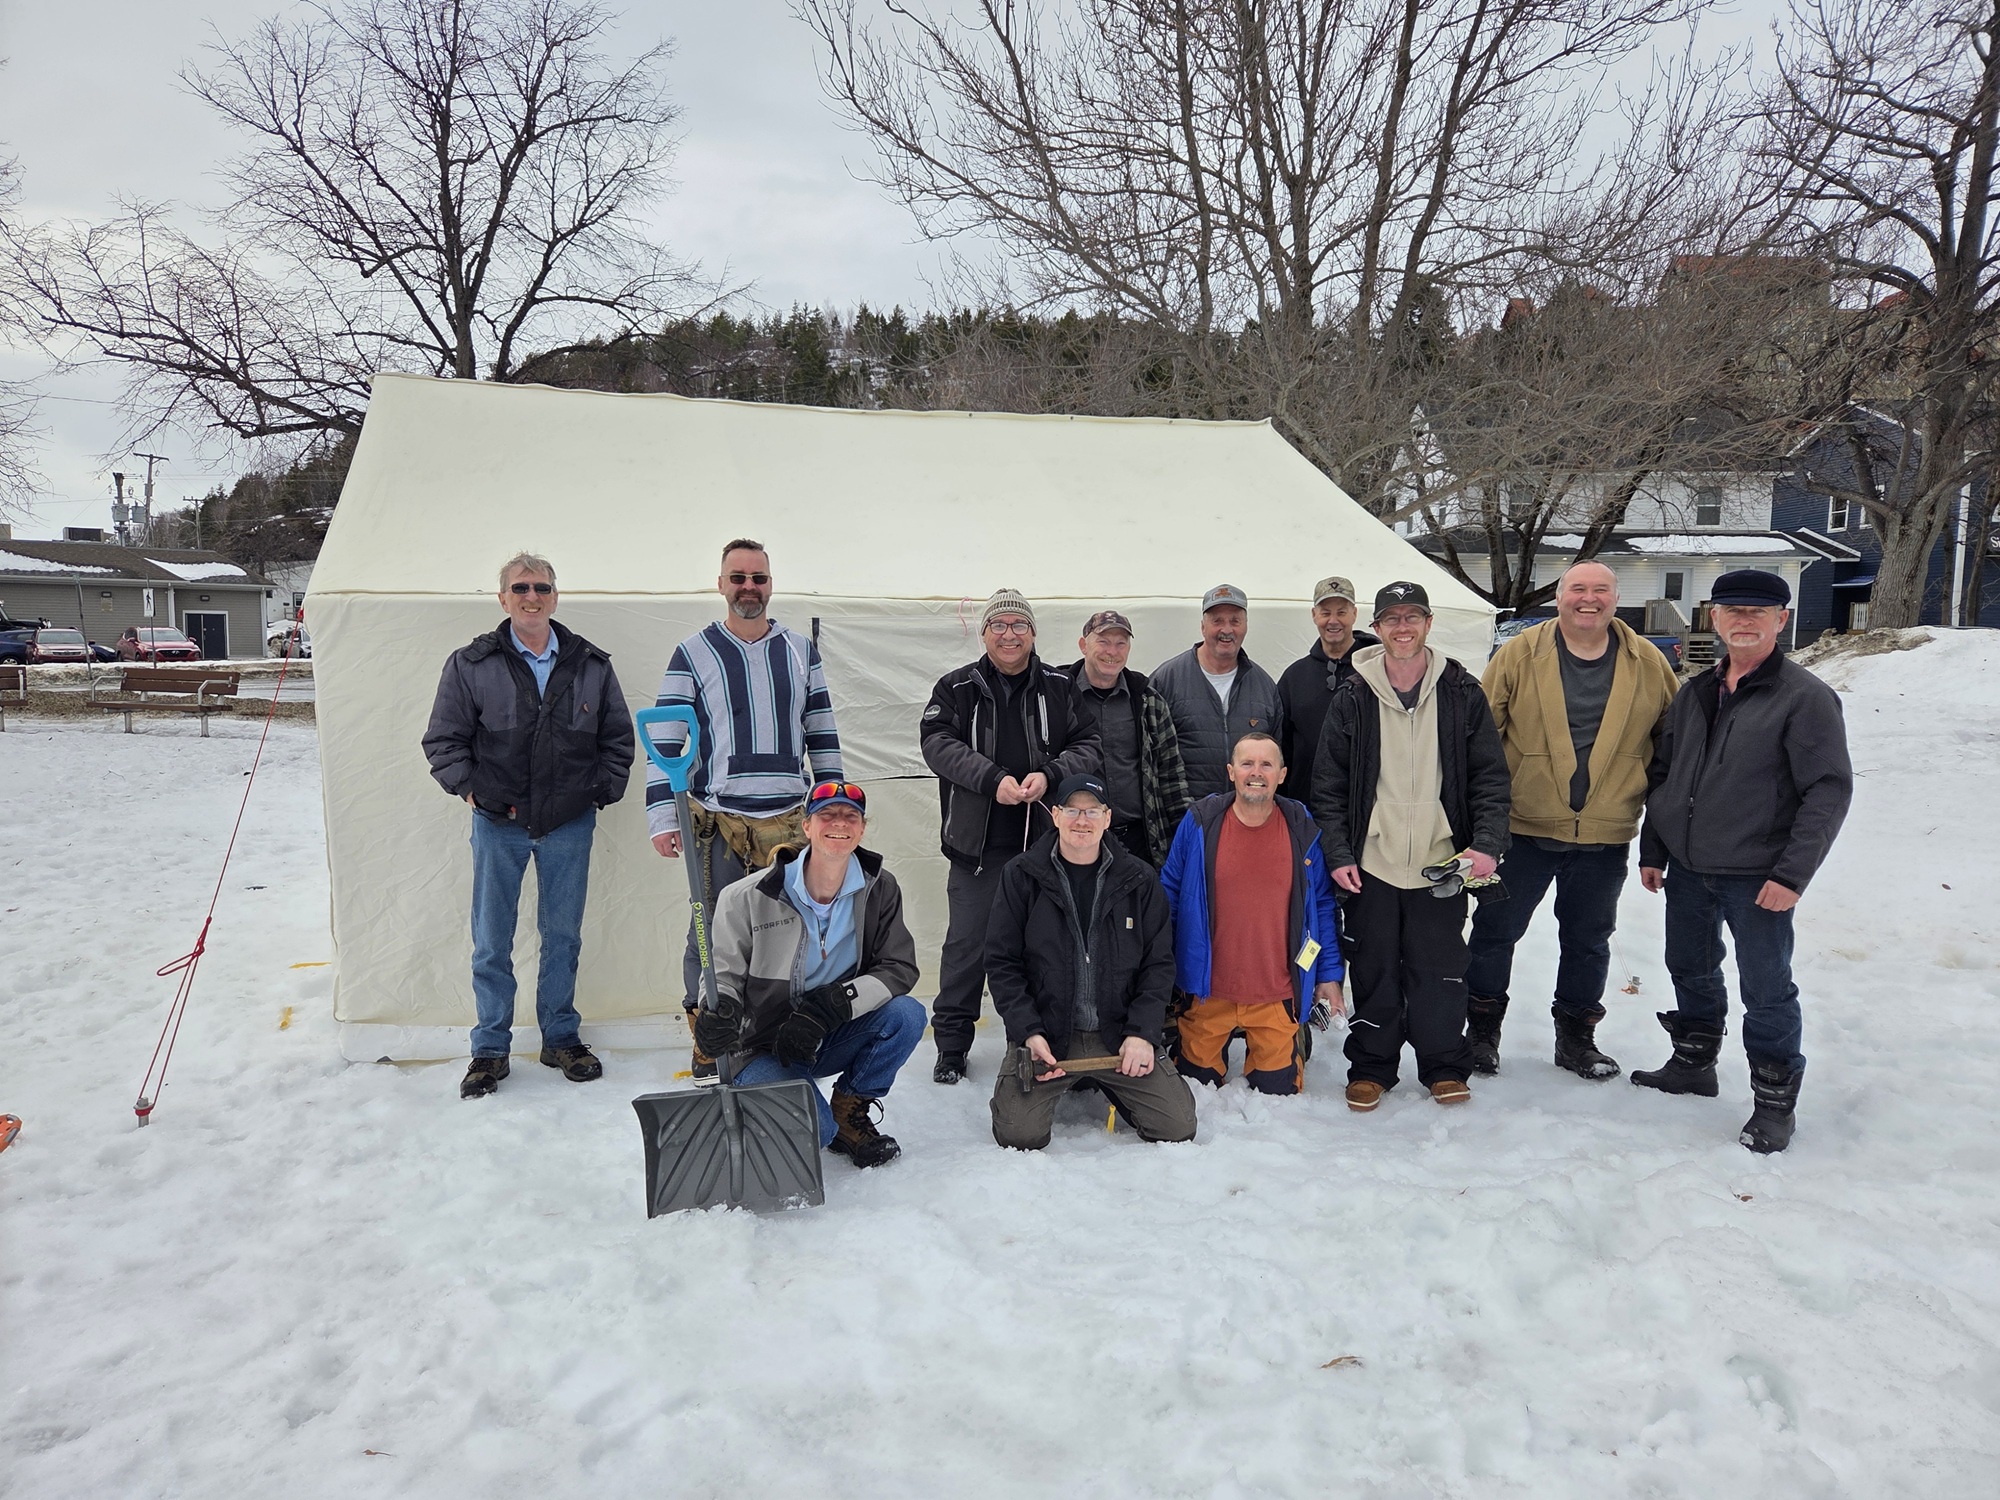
x: 1564, y: 1289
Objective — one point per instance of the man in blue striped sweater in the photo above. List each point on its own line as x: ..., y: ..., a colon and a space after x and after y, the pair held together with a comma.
x: 759, y: 698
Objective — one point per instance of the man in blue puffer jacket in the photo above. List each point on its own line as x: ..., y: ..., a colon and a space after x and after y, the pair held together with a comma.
x: 1256, y: 930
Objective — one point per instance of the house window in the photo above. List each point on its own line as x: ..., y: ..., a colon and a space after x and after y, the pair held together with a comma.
x: 1676, y: 586
x: 1836, y: 513
x: 1708, y: 505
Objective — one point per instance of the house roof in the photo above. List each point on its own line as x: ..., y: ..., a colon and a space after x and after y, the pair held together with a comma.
x: 108, y: 561
x: 1774, y: 546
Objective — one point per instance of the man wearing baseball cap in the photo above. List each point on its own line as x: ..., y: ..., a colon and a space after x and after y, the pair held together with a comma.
x: 1750, y: 783
x: 998, y: 732
x: 1308, y: 684
x: 1217, y: 693
x: 1136, y: 739
x: 815, y: 952
x: 1081, y: 954
x: 1410, y: 778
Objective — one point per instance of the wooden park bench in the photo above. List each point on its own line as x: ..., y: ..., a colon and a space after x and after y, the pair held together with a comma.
x: 13, y: 679
x: 184, y: 690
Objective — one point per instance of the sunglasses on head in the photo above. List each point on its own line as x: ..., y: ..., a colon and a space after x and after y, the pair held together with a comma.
x: 826, y: 791
x: 760, y: 579
x: 524, y: 587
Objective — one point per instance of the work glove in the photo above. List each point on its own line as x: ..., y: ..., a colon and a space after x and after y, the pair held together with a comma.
x: 814, y: 1014
x: 717, y: 1034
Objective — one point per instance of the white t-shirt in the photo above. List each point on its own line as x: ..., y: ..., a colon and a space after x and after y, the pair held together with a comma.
x: 1221, y: 682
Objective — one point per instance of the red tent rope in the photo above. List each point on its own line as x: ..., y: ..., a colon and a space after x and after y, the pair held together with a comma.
x: 186, y: 965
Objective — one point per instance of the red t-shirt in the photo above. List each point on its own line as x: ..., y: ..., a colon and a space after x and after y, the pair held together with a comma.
x: 1252, y: 901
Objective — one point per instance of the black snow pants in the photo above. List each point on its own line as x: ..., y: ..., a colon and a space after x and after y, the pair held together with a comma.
x: 1405, y: 955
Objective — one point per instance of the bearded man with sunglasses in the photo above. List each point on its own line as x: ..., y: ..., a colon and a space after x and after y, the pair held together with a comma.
x: 758, y: 692
x: 530, y: 728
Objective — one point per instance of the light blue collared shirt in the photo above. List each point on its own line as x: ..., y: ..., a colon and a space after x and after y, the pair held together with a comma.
x: 833, y: 946
x: 541, y: 665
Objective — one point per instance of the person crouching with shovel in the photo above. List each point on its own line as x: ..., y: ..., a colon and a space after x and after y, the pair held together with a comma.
x: 815, y: 955
x: 1080, y: 958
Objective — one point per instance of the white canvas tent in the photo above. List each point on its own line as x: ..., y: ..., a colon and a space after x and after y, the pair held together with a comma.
x: 887, y: 531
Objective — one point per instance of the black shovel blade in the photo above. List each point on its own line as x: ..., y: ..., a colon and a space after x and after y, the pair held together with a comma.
x: 754, y: 1147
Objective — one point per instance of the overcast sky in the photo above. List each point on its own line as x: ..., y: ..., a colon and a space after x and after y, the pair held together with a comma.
x: 770, y: 184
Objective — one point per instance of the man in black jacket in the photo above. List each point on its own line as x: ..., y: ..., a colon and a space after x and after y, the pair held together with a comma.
x: 1749, y: 784
x: 1081, y: 954
x: 529, y: 727
x: 1410, y: 775
x: 1308, y: 684
x: 998, y: 733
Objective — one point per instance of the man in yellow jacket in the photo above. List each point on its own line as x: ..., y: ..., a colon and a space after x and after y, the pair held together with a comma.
x: 1578, y: 702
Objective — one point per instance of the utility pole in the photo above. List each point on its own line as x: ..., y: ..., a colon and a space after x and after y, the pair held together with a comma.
x: 151, y: 459
x: 121, y: 513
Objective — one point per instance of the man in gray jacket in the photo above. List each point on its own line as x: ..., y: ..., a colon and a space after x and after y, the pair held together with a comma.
x: 530, y: 728
x: 1750, y: 783
x: 1217, y: 693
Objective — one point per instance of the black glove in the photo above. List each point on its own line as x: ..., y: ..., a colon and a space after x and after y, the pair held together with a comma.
x: 716, y: 1034
x: 815, y: 1014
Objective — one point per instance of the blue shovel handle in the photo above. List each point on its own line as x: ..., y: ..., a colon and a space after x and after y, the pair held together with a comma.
x: 676, y: 767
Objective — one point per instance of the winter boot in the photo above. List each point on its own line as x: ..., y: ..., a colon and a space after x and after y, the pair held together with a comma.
x: 701, y: 1067
x: 578, y: 1063
x: 856, y: 1137
x: 483, y: 1077
x: 1769, y: 1127
x: 1691, y: 1070
x: 1482, y: 1029
x: 1576, y: 1044
x: 950, y: 1068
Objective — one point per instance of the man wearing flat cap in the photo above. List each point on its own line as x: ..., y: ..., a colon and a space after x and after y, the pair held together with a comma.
x: 1217, y: 693
x: 1750, y: 783
x: 1141, y: 754
x: 1308, y: 684
x: 998, y: 732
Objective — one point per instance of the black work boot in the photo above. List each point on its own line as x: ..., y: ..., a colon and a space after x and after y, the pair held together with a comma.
x: 578, y: 1063
x: 1576, y: 1043
x: 1769, y: 1127
x: 483, y: 1077
x: 1482, y: 1030
x: 855, y: 1135
x: 1691, y: 1070
x: 701, y: 1067
x: 951, y: 1066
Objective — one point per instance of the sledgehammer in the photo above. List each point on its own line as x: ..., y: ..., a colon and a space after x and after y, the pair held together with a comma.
x: 1027, y: 1068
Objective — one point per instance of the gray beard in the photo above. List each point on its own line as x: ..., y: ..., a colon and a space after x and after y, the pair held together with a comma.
x: 747, y: 609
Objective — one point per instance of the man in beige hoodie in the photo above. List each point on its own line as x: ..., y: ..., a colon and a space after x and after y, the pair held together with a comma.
x: 1578, y: 702
x: 1410, y: 774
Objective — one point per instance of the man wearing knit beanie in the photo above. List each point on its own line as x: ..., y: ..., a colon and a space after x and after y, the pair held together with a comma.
x: 999, y: 733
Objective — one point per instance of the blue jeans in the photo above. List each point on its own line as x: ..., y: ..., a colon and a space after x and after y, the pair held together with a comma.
x: 1587, y: 885
x: 867, y: 1052
x: 1697, y: 907
x: 500, y: 853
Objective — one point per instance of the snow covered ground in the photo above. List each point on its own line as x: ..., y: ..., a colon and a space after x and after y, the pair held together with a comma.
x: 312, y: 1278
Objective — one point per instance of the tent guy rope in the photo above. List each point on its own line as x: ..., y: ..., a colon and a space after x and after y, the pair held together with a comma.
x: 188, y: 963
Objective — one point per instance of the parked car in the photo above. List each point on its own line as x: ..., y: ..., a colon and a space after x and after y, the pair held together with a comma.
x: 55, y: 643
x: 156, y: 643
x: 102, y: 653
x: 16, y: 637
x: 284, y: 637
x: 1670, y: 645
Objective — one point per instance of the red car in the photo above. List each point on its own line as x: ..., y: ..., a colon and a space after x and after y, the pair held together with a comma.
x: 54, y: 644
x: 155, y: 643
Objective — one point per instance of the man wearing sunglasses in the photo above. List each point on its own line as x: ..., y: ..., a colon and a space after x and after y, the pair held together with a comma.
x: 815, y: 951
x: 1410, y: 774
x: 998, y: 733
x: 759, y: 695
x: 530, y: 728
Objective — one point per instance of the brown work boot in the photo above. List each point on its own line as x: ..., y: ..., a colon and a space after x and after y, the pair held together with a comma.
x: 1363, y: 1096
x: 700, y: 1065
x: 855, y: 1136
x: 1451, y: 1091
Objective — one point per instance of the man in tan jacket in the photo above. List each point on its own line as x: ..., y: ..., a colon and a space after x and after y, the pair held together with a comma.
x: 1578, y: 702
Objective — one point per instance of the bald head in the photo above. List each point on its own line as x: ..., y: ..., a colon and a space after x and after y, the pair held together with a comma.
x: 1586, y: 604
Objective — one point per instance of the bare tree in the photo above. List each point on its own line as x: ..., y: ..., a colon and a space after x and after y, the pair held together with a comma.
x: 431, y: 185
x: 1303, y: 196
x: 1881, y: 140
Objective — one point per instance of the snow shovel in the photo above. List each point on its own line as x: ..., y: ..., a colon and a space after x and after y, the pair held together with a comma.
x: 754, y: 1146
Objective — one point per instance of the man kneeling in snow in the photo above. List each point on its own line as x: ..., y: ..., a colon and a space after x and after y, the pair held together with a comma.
x: 1080, y: 956
x: 815, y: 953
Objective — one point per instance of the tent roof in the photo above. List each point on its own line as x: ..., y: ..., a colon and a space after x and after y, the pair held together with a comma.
x: 855, y: 504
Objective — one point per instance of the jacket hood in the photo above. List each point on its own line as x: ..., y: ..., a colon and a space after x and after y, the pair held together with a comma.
x: 1371, y: 666
x: 1127, y: 869
x: 1362, y: 641
x: 772, y: 881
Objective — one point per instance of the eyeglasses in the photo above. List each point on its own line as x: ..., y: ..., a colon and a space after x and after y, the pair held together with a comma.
x: 739, y: 579
x: 1084, y: 814
x: 1011, y: 627
x: 826, y: 791
x: 525, y: 588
